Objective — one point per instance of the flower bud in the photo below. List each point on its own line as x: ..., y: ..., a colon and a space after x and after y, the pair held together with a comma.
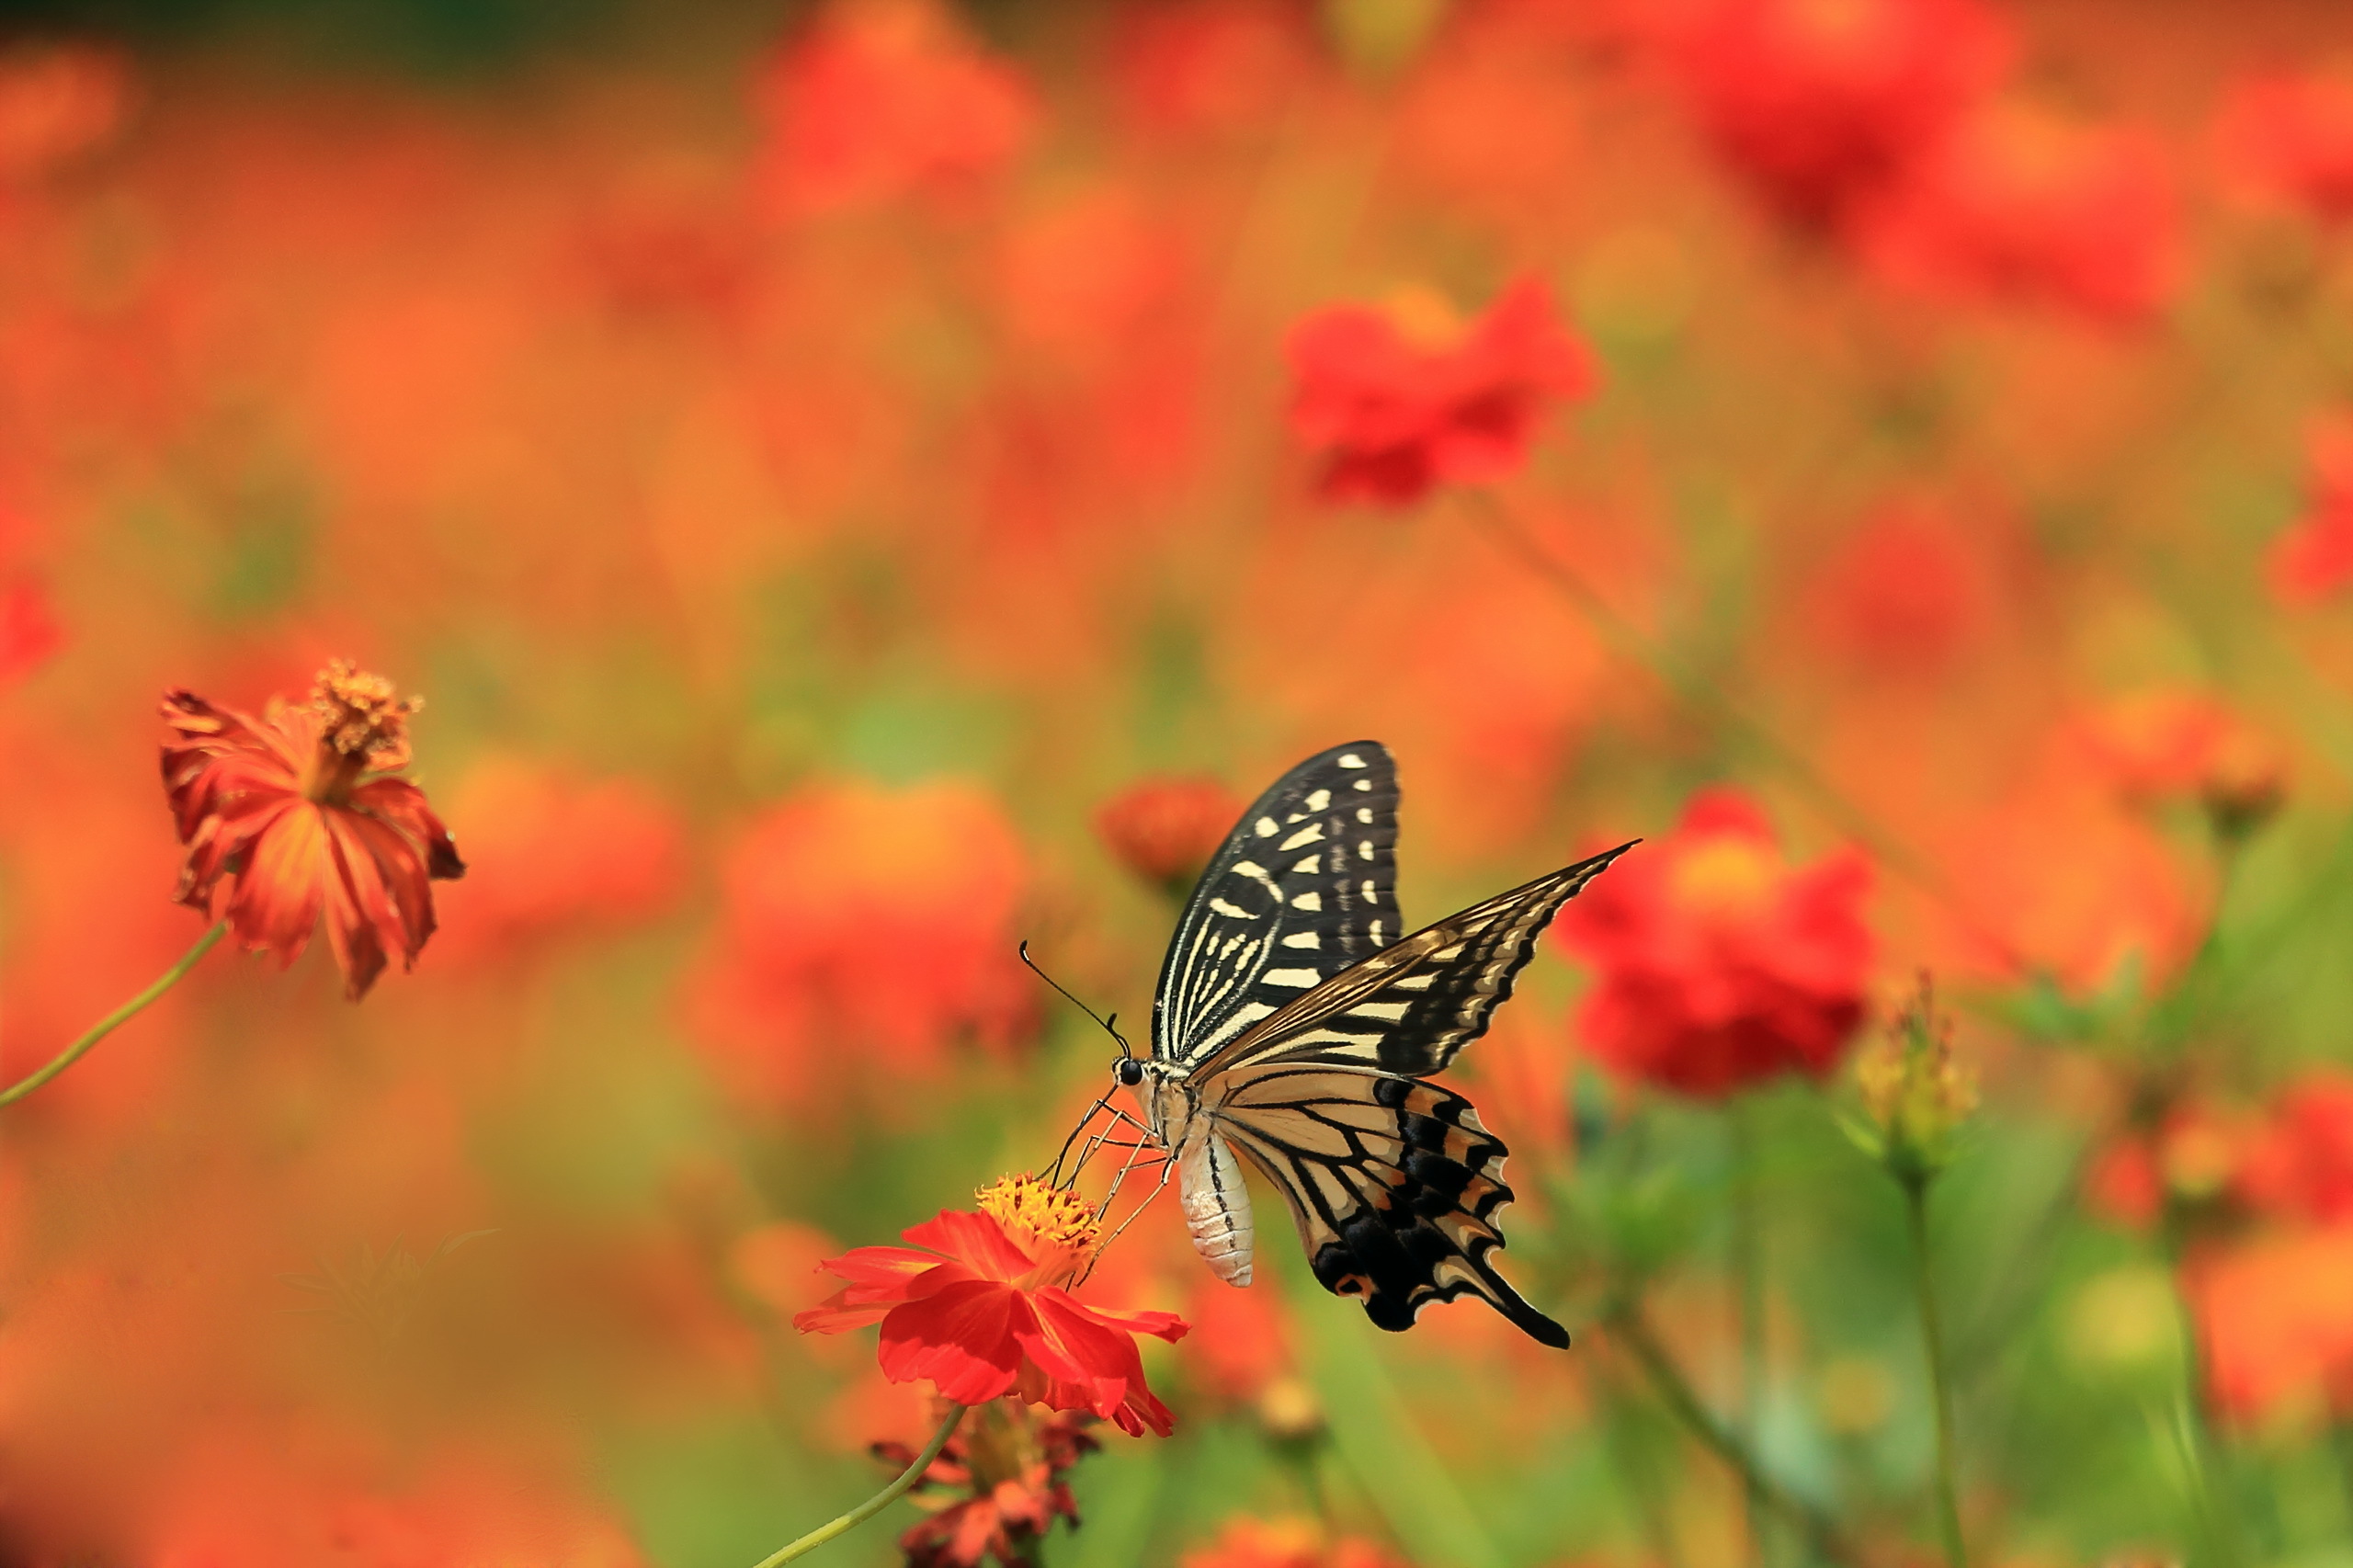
x: 1915, y: 1093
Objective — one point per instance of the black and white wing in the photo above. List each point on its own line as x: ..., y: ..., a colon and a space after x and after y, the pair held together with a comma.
x: 1305, y: 886
x: 1392, y: 1183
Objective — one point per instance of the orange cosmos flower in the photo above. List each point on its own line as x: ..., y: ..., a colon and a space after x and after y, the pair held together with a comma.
x: 298, y: 811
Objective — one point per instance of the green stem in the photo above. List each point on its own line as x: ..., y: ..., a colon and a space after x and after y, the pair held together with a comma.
x: 2218, y: 1509
x: 1932, y: 1341
x: 874, y: 1504
x: 115, y: 1019
x: 1627, y: 1327
x: 1749, y: 1301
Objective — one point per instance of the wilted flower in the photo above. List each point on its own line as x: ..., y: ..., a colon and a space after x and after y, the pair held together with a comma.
x: 1285, y: 1543
x: 986, y: 1309
x: 1719, y: 965
x: 2290, y: 135
x: 2313, y: 559
x: 1823, y: 105
x: 1399, y: 399
x: 300, y: 811
x: 1164, y: 830
x: 1915, y: 1093
x: 996, y: 1487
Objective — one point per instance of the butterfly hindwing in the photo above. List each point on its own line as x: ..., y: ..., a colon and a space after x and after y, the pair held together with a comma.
x: 1394, y: 1184
x: 1411, y: 1007
x: 1303, y: 887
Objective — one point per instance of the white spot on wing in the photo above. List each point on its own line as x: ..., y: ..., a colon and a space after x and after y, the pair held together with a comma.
x: 1308, y: 863
x: 1364, y: 815
x: 1310, y: 901
x: 1413, y: 981
x: 1364, y: 849
x: 1269, y: 827
x: 1302, y: 978
x: 1387, y: 1012
x: 1319, y: 799
x: 1231, y: 910
x: 1307, y: 834
x: 1364, y: 783
x: 1375, y: 932
x: 1371, y: 893
x: 1302, y: 939
x: 1350, y: 759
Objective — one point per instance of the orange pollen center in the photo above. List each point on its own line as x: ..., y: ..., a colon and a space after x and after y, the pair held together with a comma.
x: 363, y: 728
x: 1038, y: 1217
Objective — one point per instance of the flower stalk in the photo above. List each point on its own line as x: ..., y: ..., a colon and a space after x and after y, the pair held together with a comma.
x: 116, y: 1020
x: 1915, y: 1210
x: 897, y: 1489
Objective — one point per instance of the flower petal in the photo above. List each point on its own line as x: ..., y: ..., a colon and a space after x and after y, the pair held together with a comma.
x: 975, y: 1238
x: 961, y: 1339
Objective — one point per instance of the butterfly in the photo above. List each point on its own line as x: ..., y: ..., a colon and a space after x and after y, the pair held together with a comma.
x: 1294, y: 1027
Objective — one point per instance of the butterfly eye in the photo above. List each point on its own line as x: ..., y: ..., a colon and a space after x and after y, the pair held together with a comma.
x: 1128, y: 1071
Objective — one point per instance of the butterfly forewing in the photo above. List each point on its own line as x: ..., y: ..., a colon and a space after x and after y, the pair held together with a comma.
x: 1413, y: 1007
x: 1303, y: 887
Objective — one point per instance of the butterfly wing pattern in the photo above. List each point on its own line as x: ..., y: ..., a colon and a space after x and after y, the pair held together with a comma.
x: 1305, y: 886
x: 1317, y: 1077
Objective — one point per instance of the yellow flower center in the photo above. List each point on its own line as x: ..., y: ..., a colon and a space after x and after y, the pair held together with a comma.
x: 1422, y: 316
x: 1727, y: 875
x: 363, y: 728
x: 1035, y: 1215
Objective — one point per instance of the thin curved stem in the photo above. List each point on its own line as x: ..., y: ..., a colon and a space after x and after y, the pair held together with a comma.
x: 874, y: 1504
x: 115, y: 1019
x: 1932, y: 1339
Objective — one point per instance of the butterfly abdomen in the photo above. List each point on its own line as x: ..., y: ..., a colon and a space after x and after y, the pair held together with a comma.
x: 1216, y: 1205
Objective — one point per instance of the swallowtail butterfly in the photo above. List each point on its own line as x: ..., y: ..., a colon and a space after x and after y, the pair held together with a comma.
x: 1294, y: 1026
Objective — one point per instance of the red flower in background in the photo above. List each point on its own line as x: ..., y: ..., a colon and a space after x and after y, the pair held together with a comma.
x: 1719, y: 965
x: 2275, y: 1322
x: 1165, y: 829
x: 29, y: 631
x: 1008, y: 1466
x: 1908, y: 590
x: 1397, y: 399
x: 299, y: 811
x: 1821, y: 103
x: 2313, y: 559
x: 57, y: 102
x: 549, y: 852
x: 1285, y: 1543
x: 2300, y: 1166
x: 885, y: 99
x: 864, y: 933
x: 985, y: 1309
x: 2290, y: 136
x: 2175, y: 744
x: 2019, y: 206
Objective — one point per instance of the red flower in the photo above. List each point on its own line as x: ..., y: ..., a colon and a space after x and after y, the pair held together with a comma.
x: 1285, y: 1543
x: 1822, y: 106
x: 1164, y: 830
x: 2291, y: 136
x: 2018, y: 206
x: 2313, y: 559
x: 1398, y: 400
x: 1909, y: 591
x: 2300, y: 1166
x: 986, y: 1310
x: 1719, y: 966
x: 2166, y: 743
x: 1008, y: 1465
x: 299, y: 811
x: 2275, y: 1321
x: 888, y: 99
x: 865, y: 933
x: 2191, y: 1157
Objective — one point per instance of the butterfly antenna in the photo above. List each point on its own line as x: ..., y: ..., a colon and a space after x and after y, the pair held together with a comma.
x: 1109, y: 1025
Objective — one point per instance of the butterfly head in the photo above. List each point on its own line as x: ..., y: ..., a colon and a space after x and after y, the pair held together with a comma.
x: 1127, y: 1070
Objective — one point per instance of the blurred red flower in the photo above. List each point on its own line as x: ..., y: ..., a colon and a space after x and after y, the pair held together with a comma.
x: 986, y: 1308
x: 301, y: 810
x: 1285, y: 1543
x: 887, y: 99
x: 1164, y: 829
x: 2275, y: 1320
x: 2017, y: 205
x: 28, y: 630
x: 1002, y: 1477
x: 2171, y: 744
x: 2300, y: 1164
x: 56, y: 102
x: 549, y: 851
x: 1820, y: 106
x: 2313, y: 559
x: 2192, y: 1156
x: 1208, y: 67
x: 1719, y: 965
x: 2290, y: 135
x: 865, y: 932
x: 1908, y: 590
x: 1397, y: 399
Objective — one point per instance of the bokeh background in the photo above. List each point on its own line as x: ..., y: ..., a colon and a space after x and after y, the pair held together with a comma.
x: 819, y: 464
